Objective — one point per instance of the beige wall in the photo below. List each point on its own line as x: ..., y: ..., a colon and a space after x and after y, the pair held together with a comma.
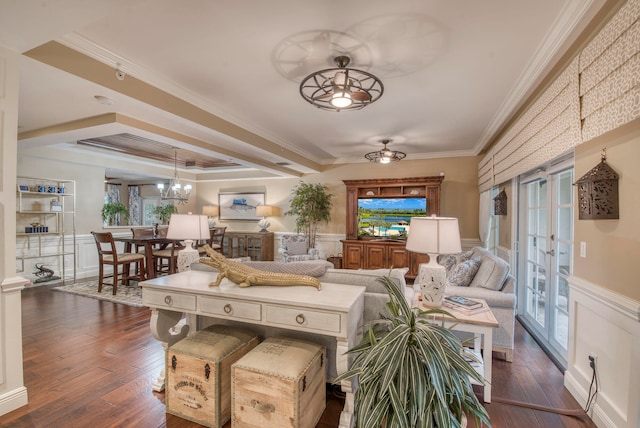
x: 459, y: 196
x: 613, y: 246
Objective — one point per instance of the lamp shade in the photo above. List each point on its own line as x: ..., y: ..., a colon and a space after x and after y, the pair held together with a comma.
x: 188, y: 226
x: 266, y: 211
x: 210, y: 210
x: 434, y: 235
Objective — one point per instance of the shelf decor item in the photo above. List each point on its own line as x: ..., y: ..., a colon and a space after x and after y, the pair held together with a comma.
x: 433, y: 235
x: 412, y: 372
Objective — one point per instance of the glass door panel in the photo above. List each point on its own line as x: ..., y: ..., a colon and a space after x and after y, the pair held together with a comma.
x: 546, y: 210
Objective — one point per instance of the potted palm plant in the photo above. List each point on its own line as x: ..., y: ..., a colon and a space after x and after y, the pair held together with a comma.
x: 411, y: 372
x: 311, y: 203
x: 111, y: 210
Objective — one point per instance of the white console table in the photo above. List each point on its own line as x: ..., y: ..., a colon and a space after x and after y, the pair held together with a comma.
x: 335, y: 311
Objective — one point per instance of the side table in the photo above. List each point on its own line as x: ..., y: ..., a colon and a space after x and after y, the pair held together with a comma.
x: 481, y: 325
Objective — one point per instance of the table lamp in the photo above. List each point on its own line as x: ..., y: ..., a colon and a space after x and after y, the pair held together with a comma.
x: 433, y: 235
x: 210, y: 211
x: 265, y: 211
x: 187, y: 227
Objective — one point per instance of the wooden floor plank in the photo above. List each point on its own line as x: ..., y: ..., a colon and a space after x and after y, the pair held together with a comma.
x: 90, y: 363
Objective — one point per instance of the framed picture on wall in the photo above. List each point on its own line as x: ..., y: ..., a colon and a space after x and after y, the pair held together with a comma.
x: 239, y: 205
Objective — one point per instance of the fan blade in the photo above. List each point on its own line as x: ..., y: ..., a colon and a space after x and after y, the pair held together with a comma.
x: 360, y: 96
x: 323, y: 96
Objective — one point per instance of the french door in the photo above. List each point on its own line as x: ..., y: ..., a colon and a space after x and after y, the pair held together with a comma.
x: 545, y: 257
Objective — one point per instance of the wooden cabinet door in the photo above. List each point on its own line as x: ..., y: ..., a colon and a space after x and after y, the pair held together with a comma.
x: 352, y: 256
x: 376, y: 256
x: 398, y: 257
x: 415, y: 260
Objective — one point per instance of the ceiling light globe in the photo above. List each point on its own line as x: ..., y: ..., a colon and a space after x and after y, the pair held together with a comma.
x: 187, y: 187
x: 385, y: 160
x: 341, y: 100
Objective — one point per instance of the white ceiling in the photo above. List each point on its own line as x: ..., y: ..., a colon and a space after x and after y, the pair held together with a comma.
x: 453, y: 71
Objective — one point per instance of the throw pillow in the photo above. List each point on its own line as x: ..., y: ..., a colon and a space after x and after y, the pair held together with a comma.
x: 462, y: 274
x: 297, y: 248
x: 451, y: 260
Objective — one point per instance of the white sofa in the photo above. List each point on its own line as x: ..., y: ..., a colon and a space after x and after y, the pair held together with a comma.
x: 492, y: 283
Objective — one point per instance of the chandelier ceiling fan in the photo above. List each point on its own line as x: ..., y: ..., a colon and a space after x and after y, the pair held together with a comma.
x: 385, y: 155
x: 341, y: 88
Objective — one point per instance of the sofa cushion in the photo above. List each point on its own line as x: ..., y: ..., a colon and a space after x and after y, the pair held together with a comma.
x: 451, y: 260
x: 492, y: 272
x: 463, y: 273
x: 366, y: 278
x: 296, y: 248
x: 310, y: 268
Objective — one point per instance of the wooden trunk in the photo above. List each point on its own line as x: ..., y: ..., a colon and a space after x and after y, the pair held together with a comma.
x: 280, y: 383
x: 198, y: 374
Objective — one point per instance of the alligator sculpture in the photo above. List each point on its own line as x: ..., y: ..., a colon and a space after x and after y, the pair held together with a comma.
x: 246, y: 276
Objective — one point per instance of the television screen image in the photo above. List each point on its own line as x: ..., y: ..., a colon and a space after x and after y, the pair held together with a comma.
x: 388, y: 217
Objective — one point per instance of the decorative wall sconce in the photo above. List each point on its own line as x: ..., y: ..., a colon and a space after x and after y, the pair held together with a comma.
x: 598, y: 193
x: 500, y: 203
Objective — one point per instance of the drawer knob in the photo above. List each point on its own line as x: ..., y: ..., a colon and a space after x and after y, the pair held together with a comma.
x: 227, y: 308
x: 300, y: 319
x: 168, y: 300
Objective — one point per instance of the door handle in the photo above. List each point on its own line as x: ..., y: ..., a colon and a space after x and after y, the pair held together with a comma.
x: 552, y: 252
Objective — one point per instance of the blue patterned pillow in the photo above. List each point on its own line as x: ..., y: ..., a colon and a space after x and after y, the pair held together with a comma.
x: 462, y: 274
x: 451, y: 260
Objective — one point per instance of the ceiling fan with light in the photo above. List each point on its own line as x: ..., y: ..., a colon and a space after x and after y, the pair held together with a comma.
x: 341, y: 88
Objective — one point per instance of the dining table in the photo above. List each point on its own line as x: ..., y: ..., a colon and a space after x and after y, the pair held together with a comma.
x: 149, y: 243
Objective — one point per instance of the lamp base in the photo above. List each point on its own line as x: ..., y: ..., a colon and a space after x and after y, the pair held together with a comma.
x: 431, y: 279
x: 187, y: 256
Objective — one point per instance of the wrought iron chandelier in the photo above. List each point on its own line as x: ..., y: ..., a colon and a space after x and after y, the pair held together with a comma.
x: 341, y: 88
x: 385, y: 155
x: 175, y: 191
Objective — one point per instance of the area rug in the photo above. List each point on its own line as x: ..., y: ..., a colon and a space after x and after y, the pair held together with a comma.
x: 127, y: 295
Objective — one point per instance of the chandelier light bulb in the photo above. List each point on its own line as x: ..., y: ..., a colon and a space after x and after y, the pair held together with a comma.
x: 160, y: 186
x: 385, y: 159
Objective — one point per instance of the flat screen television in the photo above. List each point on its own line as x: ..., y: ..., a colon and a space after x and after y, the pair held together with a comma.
x: 388, y: 217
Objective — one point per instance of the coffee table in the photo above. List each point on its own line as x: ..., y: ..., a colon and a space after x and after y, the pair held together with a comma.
x: 481, y: 325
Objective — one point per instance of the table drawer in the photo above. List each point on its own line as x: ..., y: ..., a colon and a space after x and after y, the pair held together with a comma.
x: 230, y: 308
x: 305, y: 318
x: 164, y: 299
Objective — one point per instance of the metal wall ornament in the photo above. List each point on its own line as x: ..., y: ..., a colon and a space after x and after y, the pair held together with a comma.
x: 500, y: 203
x: 598, y: 193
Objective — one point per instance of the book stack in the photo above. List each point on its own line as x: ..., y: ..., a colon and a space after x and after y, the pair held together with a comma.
x: 463, y: 304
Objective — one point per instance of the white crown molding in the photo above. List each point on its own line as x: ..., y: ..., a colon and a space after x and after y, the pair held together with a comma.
x: 566, y: 23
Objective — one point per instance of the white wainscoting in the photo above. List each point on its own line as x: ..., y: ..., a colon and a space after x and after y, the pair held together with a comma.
x: 608, y: 325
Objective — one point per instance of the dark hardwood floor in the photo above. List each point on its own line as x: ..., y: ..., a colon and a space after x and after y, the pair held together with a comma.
x: 90, y: 363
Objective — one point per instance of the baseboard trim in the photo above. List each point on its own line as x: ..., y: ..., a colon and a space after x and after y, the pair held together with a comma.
x: 12, y: 400
x: 597, y: 414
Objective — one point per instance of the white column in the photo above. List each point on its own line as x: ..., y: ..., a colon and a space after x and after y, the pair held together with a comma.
x: 13, y: 394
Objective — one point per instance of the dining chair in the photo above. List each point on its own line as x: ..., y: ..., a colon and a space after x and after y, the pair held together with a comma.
x: 108, y: 255
x: 142, y: 233
x: 166, y: 259
x: 216, y: 236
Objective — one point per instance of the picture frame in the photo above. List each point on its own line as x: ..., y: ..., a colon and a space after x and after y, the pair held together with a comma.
x: 23, y: 188
x: 239, y: 205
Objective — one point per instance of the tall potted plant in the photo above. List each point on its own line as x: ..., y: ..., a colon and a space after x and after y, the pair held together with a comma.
x: 411, y: 372
x: 110, y: 211
x: 311, y: 203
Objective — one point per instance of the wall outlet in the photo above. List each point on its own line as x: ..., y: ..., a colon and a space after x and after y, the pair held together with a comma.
x: 583, y: 249
x: 593, y: 358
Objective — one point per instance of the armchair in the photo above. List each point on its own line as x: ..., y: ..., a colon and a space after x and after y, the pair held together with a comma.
x: 295, y: 248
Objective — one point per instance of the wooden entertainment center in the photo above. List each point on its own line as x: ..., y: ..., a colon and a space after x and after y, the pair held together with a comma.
x: 382, y: 253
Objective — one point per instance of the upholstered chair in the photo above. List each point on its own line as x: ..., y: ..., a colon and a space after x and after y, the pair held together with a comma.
x: 295, y: 248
